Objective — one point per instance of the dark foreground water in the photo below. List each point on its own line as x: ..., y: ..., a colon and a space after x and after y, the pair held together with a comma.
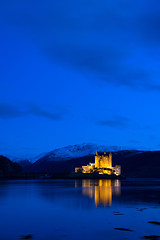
x: 79, y: 209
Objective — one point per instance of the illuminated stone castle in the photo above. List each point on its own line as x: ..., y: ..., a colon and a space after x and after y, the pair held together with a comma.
x: 102, y: 165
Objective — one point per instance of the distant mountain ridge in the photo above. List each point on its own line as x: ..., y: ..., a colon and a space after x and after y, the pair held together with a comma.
x: 65, y: 159
x: 52, y: 163
x: 70, y: 151
x: 77, y: 151
x: 134, y: 163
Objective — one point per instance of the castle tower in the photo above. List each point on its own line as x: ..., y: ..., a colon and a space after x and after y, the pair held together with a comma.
x: 103, y: 161
x: 110, y: 160
x: 97, y: 160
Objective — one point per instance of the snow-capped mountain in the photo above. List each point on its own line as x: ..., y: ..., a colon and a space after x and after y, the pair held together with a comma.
x: 76, y: 151
x: 69, y: 152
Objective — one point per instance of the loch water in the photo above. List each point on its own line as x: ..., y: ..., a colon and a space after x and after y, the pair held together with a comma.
x: 79, y: 209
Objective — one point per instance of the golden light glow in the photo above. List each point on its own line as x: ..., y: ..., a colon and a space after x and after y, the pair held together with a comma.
x: 101, y: 190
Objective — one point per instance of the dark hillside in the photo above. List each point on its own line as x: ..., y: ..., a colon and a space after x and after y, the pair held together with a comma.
x: 145, y: 164
x: 9, y: 168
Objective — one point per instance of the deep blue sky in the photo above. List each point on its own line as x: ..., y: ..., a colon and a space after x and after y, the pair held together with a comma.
x: 79, y: 71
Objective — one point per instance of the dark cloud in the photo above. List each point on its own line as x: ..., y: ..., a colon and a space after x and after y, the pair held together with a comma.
x: 105, y: 40
x: 115, y: 122
x: 107, y: 64
x: 149, y: 25
x: 56, y: 114
x: 98, y: 61
x: 147, y: 127
x: 11, y: 111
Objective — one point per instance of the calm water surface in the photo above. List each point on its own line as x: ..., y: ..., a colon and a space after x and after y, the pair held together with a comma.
x: 79, y: 209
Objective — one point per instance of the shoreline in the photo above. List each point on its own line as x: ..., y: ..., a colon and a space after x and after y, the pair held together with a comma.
x: 37, y: 176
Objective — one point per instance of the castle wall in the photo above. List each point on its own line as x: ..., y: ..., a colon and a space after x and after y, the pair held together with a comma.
x: 87, y: 168
x: 97, y: 159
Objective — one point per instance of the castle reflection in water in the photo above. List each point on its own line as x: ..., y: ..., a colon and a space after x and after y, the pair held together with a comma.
x: 102, y: 190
